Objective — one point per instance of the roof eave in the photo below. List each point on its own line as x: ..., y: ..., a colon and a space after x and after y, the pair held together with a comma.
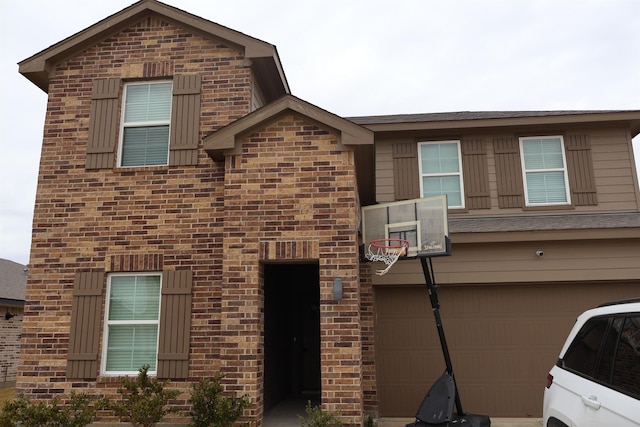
x: 227, y: 139
x: 631, y: 117
x: 38, y: 67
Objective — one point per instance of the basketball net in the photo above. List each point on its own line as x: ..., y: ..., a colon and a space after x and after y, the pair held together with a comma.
x: 387, y: 251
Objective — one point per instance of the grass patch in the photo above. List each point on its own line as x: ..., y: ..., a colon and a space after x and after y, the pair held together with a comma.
x: 6, y: 394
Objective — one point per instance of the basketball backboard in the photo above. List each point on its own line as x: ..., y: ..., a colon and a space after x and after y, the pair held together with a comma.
x: 421, y: 222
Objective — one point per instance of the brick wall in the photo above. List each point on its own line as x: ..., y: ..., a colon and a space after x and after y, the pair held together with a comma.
x: 291, y: 196
x: 83, y: 218
x: 367, y: 316
x: 292, y: 184
x: 10, y: 331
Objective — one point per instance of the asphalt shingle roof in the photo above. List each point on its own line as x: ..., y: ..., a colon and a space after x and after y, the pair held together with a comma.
x: 472, y: 115
x: 546, y: 222
x: 13, y: 280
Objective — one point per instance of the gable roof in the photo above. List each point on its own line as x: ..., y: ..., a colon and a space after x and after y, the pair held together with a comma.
x: 264, y: 56
x: 13, y: 282
x: 492, y: 119
x: 228, y: 139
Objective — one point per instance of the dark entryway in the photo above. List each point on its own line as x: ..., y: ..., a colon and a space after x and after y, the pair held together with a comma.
x: 291, y: 332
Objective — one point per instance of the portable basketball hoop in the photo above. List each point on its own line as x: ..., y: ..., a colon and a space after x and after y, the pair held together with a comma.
x: 387, y: 251
x: 410, y: 229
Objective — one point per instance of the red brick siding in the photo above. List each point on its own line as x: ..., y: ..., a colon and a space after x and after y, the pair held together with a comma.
x: 367, y: 314
x: 10, y: 331
x: 87, y: 220
x: 294, y: 185
x: 291, y: 183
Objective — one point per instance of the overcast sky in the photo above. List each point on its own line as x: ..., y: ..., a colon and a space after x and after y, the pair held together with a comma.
x: 355, y: 57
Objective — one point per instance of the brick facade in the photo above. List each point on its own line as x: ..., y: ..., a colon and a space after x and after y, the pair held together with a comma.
x: 10, y: 331
x: 290, y: 196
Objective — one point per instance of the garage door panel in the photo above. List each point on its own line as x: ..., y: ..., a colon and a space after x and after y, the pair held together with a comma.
x: 403, y: 332
x: 504, y: 365
x: 512, y: 399
x: 419, y: 365
x: 492, y: 331
x: 503, y: 340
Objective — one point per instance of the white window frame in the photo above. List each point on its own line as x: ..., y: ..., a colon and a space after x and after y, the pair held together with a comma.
x: 458, y: 174
x: 565, y: 174
x: 107, y: 323
x: 150, y: 123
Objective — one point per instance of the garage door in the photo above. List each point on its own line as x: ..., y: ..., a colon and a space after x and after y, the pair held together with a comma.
x: 503, y: 341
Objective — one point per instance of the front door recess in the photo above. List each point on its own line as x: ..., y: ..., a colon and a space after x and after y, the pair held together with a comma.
x: 291, y: 332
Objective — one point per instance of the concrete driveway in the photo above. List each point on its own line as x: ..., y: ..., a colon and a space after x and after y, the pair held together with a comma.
x: 495, y: 422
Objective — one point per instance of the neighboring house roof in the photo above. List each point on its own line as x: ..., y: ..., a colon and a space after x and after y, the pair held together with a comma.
x: 263, y: 56
x: 13, y: 282
x: 493, y: 119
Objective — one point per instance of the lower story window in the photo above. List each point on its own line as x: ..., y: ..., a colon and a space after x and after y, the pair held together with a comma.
x: 131, y: 324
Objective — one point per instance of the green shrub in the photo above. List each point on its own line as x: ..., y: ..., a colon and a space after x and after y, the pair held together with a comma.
x: 80, y: 411
x: 144, y: 399
x: 212, y: 408
x: 319, y: 418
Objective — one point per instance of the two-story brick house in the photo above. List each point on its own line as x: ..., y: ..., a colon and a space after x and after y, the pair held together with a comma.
x: 194, y: 215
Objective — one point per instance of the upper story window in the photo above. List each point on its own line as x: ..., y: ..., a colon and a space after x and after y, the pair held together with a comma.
x: 131, y: 323
x: 441, y: 171
x: 146, y: 117
x: 545, y: 171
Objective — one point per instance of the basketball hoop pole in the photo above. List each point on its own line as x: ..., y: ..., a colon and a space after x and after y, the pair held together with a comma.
x: 427, y: 269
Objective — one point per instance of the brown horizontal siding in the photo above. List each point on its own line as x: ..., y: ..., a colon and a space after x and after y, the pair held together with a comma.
x: 516, y: 262
x: 609, y: 156
x: 385, y: 187
x: 613, y: 171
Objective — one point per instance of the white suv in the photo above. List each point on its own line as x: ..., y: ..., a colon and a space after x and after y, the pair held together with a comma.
x: 596, y: 381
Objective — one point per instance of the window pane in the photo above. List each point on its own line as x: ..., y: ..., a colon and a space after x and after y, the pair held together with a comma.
x: 542, y: 154
x: 148, y: 102
x: 439, y: 158
x: 546, y: 187
x: 626, y: 376
x: 145, y: 146
x: 440, y: 169
x: 437, y: 186
x: 582, y: 355
x: 605, y: 367
x: 131, y: 346
x: 134, y: 298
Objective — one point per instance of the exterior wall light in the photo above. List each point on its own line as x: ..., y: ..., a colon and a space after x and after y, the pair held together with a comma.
x: 8, y: 316
x: 337, y: 288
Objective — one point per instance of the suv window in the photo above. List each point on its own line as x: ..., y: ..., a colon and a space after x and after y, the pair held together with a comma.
x: 626, y: 374
x: 608, y: 349
x: 582, y: 356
